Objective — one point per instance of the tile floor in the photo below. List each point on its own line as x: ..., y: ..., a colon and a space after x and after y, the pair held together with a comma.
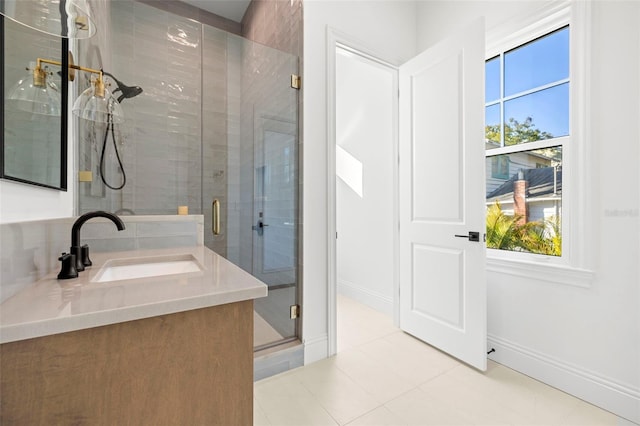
x: 382, y: 376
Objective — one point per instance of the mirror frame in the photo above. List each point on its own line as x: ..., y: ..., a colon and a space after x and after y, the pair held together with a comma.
x: 64, y: 59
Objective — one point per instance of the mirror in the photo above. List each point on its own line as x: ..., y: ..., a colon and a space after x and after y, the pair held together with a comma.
x: 33, y: 147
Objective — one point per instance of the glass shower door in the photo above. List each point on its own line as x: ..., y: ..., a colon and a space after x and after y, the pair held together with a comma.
x: 275, y: 218
x: 252, y: 171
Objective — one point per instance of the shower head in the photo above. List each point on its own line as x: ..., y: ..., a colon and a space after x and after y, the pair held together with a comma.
x: 126, y: 92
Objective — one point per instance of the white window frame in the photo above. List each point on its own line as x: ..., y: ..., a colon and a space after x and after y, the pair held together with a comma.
x: 573, y: 267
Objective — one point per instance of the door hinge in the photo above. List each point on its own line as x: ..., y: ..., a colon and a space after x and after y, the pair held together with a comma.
x: 296, y: 81
x: 294, y: 311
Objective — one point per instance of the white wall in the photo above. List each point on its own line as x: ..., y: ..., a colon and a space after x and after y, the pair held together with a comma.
x: 583, y: 340
x: 388, y: 27
x: 438, y: 18
x: 364, y: 218
x: 22, y: 202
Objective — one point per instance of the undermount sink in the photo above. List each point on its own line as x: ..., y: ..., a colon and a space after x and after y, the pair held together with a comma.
x: 144, y: 267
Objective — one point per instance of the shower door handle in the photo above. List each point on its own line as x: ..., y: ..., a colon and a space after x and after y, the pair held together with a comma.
x: 259, y: 227
x: 215, y: 217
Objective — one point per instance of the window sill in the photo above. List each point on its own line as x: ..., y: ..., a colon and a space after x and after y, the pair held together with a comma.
x: 559, y: 274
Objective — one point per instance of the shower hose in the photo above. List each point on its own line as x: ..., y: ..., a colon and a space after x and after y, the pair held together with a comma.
x: 110, y: 129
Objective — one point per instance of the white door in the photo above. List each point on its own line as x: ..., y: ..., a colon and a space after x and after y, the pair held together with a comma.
x: 442, y: 196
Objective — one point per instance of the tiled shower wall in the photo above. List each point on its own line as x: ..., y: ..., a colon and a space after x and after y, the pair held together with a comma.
x: 275, y: 23
x: 160, y: 141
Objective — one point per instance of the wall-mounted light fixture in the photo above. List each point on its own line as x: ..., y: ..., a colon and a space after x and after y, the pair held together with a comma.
x: 60, y: 18
x: 37, y: 95
x: 34, y: 93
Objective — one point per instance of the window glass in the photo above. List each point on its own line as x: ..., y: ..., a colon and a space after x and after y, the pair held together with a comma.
x: 492, y: 80
x: 537, y: 63
x: 492, y: 120
x: 524, y: 186
x: 537, y: 116
x: 524, y: 201
x: 500, y: 167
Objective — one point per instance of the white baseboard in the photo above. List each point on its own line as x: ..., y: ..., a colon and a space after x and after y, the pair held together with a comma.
x: 316, y: 349
x: 622, y: 400
x: 367, y: 297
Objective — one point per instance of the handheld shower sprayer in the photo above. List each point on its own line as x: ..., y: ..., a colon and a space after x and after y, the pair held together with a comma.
x: 126, y: 92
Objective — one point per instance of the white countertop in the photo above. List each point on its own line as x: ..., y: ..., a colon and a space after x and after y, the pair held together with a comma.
x: 52, y: 306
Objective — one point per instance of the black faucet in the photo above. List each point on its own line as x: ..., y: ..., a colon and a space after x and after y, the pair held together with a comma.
x: 81, y: 253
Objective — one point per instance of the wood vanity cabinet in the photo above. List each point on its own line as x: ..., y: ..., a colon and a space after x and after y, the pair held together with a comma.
x: 187, y: 368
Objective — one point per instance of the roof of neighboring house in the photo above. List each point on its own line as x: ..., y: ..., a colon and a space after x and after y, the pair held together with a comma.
x: 540, y: 184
